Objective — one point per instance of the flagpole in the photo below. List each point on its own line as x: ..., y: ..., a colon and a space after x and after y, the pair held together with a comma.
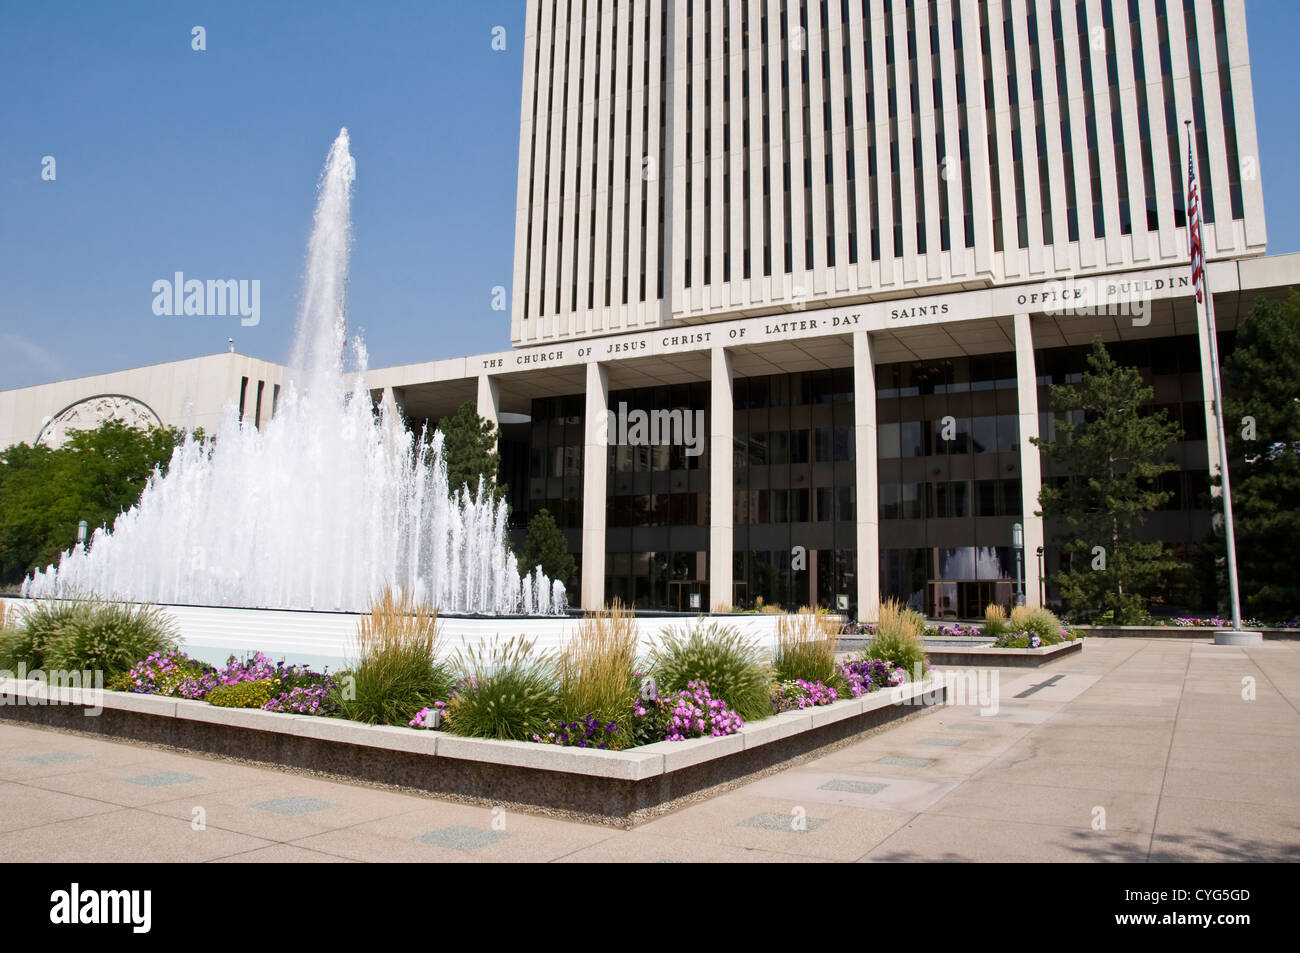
x: 1212, y: 334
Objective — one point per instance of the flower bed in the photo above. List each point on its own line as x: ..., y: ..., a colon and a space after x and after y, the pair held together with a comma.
x: 699, y: 680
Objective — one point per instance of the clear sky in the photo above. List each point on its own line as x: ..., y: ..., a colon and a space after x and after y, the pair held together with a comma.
x: 169, y: 159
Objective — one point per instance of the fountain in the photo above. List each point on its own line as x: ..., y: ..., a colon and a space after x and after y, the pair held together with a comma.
x: 326, y: 504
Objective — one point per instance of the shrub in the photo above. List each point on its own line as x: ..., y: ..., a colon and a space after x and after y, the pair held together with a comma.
x: 734, y: 668
x: 1039, y: 621
x: 805, y: 647
x: 800, y: 693
x: 898, y: 638
x: 162, y: 673
x: 1021, y: 640
x: 396, y: 672
x: 24, y: 642
x: 250, y: 694
x: 109, y: 637
x: 597, y: 675
x: 503, y: 691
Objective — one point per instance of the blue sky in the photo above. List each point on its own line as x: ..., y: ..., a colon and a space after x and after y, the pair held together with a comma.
x: 168, y: 159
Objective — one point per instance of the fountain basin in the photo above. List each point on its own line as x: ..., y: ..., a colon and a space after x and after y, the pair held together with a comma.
x: 320, y: 639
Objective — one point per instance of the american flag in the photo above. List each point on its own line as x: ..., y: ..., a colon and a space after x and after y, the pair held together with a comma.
x: 1194, y: 226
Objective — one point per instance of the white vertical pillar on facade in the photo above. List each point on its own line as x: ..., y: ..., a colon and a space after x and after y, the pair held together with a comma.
x: 864, y: 452
x: 1031, y: 469
x: 977, y: 137
x: 532, y: 50
x: 595, y: 454
x: 1243, y: 108
x: 489, y: 399
x: 721, y: 432
x: 815, y: 285
x: 906, y: 178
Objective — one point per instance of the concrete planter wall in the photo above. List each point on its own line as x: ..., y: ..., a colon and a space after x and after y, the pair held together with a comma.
x: 1176, y: 632
x: 987, y: 655
x: 622, y: 788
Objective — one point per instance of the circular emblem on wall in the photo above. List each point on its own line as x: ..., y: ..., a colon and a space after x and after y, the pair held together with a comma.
x: 89, y: 413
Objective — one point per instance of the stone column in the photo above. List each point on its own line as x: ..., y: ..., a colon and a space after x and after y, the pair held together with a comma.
x: 722, y: 408
x: 868, y: 486
x: 595, y: 453
x: 489, y: 400
x: 1031, y: 468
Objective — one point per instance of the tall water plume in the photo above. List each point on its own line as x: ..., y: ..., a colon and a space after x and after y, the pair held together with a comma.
x: 327, y: 503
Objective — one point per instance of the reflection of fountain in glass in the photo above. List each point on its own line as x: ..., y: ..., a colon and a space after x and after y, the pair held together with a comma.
x: 971, y: 562
x: 324, y: 505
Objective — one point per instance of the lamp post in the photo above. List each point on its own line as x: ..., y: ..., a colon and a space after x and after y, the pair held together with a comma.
x: 81, y: 534
x: 1042, y: 580
x: 1018, y: 541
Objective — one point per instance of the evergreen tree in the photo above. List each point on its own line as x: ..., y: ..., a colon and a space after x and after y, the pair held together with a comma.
x: 545, y: 546
x: 469, y: 447
x: 1113, y: 452
x: 1262, y: 426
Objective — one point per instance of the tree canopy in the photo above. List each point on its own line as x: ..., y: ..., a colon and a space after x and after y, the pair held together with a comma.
x: 545, y: 546
x: 469, y: 447
x: 94, y: 476
x: 1113, y: 450
x: 1262, y: 426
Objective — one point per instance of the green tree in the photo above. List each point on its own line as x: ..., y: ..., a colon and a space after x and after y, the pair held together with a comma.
x: 94, y: 476
x: 1113, y: 452
x: 1262, y: 426
x: 469, y: 447
x: 545, y: 546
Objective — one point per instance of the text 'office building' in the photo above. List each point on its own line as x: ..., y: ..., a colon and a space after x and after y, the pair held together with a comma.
x: 792, y: 277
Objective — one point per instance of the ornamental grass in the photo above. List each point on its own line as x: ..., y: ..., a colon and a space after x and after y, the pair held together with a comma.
x: 25, y: 642
x: 1038, y: 621
x: 899, y: 637
x: 504, y: 690
x: 596, y: 672
x: 734, y: 668
x: 806, y: 643
x: 107, y: 637
x: 995, y: 620
x: 397, y: 671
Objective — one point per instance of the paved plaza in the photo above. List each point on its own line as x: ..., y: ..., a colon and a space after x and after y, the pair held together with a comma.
x: 1135, y: 750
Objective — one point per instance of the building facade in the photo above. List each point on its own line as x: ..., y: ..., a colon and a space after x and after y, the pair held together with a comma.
x: 792, y: 278
x: 684, y: 161
x: 685, y: 165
